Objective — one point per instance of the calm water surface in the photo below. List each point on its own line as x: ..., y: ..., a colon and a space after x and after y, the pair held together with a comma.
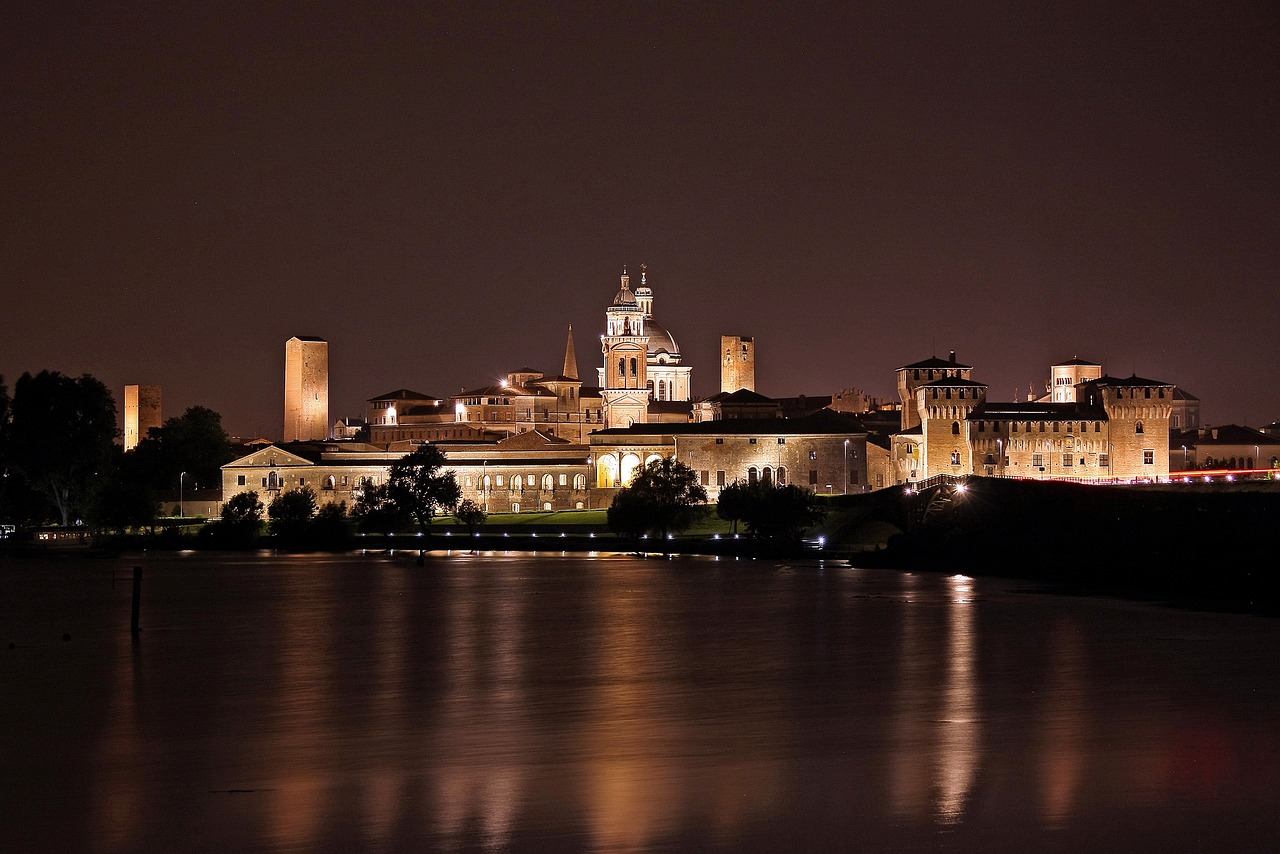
x: 608, y: 703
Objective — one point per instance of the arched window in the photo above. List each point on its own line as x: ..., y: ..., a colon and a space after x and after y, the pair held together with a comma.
x: 1138, y: 428
x: 622, y: 367
x: 607, y: 472
x: 955, y: 428
x: 649, y: 386
x: 487, y: 483
x: 782, y: 475
x: 579, y: 481
x: 955, y: 458
x: 515, y: 506
x: 630, y: 463
x: 548, y: 483
x: 330, y: 482
x: 1250, y: 464
x: 753, y: 476
x: 767, y: 475
x: 662, y: 389
x: 633, y: 368
x: 273, y: 481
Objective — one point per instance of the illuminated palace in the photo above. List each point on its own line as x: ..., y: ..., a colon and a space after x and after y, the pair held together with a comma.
x: 1089, y: 427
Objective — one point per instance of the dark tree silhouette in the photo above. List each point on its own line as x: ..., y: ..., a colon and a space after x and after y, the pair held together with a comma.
x: 417, y: 487
x: 661, y: 500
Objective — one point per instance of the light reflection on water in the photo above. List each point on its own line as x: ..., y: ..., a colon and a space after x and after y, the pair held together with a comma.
x: 514, y: 702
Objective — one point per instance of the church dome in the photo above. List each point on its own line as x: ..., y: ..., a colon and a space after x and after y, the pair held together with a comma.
x: 625, y: 297
x: 660, y: 339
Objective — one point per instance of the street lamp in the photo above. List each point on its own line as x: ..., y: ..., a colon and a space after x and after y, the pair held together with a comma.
x: 180, y: 513
x: 846, y: 466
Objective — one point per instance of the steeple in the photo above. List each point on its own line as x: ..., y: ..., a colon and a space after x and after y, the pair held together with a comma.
x: 570, y: 358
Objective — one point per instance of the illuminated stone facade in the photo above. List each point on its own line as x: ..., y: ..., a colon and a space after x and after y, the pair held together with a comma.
x: 825, y: 452
x: 1111, y: 429
x: 141, y: 413
x: 527, y: 471
x: 306, y: 389
x: 642, y: 362
x: 737, y: 363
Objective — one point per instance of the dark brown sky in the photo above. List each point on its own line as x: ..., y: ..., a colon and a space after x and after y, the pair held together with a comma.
x: 439, y: 190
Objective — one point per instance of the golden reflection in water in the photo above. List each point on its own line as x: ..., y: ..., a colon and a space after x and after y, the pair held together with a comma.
x: 118, y: 809
x: 475, y: 760
x: 648, y: 719
x: 298, y: 807
x: 959, y: 735
x: 1062, y: 728
x: 387, y: 705
x: 909, y: 782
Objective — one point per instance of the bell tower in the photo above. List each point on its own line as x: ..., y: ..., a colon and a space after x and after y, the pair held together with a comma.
x: 625, y: 346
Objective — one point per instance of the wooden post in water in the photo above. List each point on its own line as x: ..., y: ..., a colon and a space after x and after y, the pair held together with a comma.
x: 137, y: 600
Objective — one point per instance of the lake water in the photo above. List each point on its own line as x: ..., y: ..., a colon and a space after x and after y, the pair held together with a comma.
x: 611, y: 703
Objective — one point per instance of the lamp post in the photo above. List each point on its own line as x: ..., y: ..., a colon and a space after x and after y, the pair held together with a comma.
x: 180, y: 513
x: 846, y: 466
x: 1000, y: 453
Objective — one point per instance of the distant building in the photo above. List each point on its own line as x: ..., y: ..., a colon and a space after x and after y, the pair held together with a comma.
x: 1105, y: 428
x: 306, y: 389
x: 737, y: 363
x: 642, y: 362
x: 825, y: 452
x: 141, y: 413
x: 527, y: 471
x: 1229, y: 446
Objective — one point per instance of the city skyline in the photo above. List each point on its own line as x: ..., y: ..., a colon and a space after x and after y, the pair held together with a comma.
x: 440, y: 193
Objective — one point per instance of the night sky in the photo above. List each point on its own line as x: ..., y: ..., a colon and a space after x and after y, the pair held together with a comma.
x: 439, y: 190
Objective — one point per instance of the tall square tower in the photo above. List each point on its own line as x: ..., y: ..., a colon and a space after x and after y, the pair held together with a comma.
x: 141, y: 413
x: 737, y: 363
x: 306, y: 389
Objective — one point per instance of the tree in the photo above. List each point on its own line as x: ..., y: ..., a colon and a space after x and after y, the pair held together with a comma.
x: 734, y: 503
x: 121, y: 501
x: 290, y: 515
x: 331, y: 527
x: 241, y: 518
x: 782, y: 512
x: 61, y: 435
x: 376, y: 513
x: 193, y: 444
x: 471, y: 514
x: 416, y: 486
x: 660, y: 500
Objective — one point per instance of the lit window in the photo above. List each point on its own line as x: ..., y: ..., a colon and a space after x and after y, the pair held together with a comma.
x: 813, y: 455
x: 1149, y: 457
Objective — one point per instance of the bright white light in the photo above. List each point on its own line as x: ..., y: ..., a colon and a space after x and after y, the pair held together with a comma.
x: 822, y: 541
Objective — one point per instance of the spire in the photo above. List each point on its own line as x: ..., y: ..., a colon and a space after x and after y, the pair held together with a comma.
x: 570, y: 358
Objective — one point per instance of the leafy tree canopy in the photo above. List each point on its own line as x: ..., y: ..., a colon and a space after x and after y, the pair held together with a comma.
x: 60, y: 436
x: 471, y: 514
x: 376, y: 513
x: 290, y: 515
x: 661, y: 500
x: 781, y: 512
x: 416, y: 486
x: 194, y: 443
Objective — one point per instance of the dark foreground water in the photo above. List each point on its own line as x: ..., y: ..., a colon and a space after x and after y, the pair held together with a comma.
x: 575, y: 703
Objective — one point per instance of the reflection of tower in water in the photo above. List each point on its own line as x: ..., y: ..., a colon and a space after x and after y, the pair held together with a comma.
x: 959, y: 735
x: 936, y: 738
x: 1062, y: 728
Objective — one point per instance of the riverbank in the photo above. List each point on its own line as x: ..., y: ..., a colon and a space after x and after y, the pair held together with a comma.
x: 1182, y: 544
